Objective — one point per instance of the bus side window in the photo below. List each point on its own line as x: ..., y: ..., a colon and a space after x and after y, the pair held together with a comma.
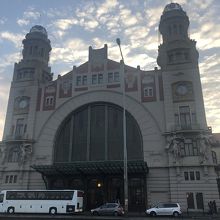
x: 1, y: 198
x: 41, y: 195
x: 67, y: 195
x: 11, y: 195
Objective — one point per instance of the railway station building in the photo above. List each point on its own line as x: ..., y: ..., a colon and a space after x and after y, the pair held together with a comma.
x: 67, y: 133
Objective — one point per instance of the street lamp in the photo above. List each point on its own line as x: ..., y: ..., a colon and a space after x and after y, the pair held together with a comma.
x: 124, y: 132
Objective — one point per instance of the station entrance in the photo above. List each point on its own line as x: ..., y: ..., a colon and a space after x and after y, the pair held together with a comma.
x: 101, y: 181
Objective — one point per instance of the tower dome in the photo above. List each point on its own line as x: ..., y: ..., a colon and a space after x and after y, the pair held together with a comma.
x: 172, y: 6
x: 177, y: 48
x: 39, y: 29
x: 37, y: 45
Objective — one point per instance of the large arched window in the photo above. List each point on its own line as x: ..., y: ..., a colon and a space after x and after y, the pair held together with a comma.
x: 94, y: 132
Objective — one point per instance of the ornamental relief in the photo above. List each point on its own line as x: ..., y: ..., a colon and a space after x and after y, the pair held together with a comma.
x: 182, y: 91
x: 21, y: 105
x: 176, y: 143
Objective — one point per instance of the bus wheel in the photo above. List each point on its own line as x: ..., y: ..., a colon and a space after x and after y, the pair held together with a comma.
x: 11, y: 210
x: 53, y: 211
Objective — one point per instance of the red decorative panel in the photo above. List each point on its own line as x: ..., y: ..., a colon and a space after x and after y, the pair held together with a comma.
x: 148, y: 83
x: 130, y: 82
x: 65, y: 85
x: 50, y: 97
x: 65, y: 89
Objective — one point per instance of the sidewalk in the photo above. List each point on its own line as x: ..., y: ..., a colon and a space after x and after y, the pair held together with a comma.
x: 142, y: 215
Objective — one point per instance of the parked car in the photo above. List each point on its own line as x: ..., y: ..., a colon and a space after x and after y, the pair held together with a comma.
x: 108, y: 209
x: 165, y: 209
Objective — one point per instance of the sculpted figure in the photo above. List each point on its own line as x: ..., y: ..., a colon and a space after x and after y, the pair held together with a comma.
x: 25, y: 152
x: 174, y: 147
x: 204, y: 148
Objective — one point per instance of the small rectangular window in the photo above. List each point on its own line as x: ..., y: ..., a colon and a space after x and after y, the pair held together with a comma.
x: 15, y: 178
x: 197, y: 175
x: 78, y: 80
x: 186, y: 175
x: 192, y: 176
x: 94, y: 79
x: 116, y: 77
x: 84, y: 80
x: 100, y: 78
x: 110, y: 77
x: 49, y: 101
x: 6, y: 179
x: 148, y: 92
x: 11, y: 179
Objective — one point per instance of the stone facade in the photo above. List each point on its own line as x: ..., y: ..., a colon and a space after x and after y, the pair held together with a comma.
x: 166, y: 103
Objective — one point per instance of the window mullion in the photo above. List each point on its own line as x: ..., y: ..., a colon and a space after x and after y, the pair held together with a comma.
x: 106, y: 132
x: 88, y: 133
x: 71, y: 138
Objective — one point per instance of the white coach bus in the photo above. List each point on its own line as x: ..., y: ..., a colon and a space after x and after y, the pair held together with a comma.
x: 41, y: 201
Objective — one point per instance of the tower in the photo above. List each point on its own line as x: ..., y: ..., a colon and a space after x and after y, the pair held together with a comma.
x: 31, y: 72
x: 189, y: 149
x: 178, y: 59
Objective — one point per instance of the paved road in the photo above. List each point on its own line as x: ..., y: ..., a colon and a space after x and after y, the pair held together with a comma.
x: 88, y: 217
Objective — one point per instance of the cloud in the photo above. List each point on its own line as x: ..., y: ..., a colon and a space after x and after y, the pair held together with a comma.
x: 32, y: 14
x: 65, y: 24
x: 8, y: 60
x: 28, y: 15
x: 23, y: 22
x: 106, y: 7
x: 153, y: 15
x: 74, y: 51
x: 16, y: 39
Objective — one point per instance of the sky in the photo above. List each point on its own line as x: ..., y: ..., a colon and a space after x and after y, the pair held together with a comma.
x: 74, y: 25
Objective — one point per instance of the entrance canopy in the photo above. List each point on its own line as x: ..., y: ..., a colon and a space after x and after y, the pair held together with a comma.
x: 92, y: 167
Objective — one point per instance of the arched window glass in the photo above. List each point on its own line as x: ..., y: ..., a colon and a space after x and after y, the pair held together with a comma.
x: 94, y: 132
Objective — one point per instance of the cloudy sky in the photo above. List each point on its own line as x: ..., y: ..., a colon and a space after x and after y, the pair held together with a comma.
x: 74, y: 25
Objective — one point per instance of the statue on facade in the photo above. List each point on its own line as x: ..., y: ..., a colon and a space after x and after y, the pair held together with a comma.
x: 174, y: 144
x: 2, y: 153
x: 204, y: 147
x: 25, y: 152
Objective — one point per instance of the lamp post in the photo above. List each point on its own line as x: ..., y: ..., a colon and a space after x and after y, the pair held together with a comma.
x: 124, y: 132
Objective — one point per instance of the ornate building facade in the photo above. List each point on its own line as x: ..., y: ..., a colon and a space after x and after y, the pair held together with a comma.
x: 68, y: 133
